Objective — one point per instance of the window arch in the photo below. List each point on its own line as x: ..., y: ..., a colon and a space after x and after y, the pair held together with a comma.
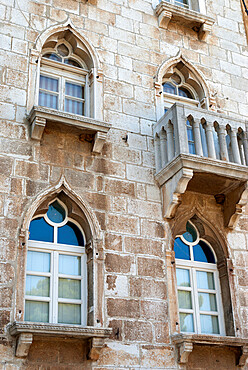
x: 56, y: 273
x: 198, y: 287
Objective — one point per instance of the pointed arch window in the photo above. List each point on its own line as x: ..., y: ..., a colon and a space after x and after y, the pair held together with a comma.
x: 198, y: 286
x: 63, y: 83
x: 56, y: 276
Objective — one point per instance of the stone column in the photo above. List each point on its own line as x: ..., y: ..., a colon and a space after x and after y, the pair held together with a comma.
x: 170, y: 142
x: 197, y: 137
x: 163, y: 147
x: 157, y: 153
x: 222, y: 142
x: 245, y: 145
x: 234, y: 145
x: 210, y: 140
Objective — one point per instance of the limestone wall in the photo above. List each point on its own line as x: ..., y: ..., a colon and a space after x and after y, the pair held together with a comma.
x: 118, y: 184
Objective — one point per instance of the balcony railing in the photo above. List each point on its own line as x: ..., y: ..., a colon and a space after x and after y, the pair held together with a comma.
x: 201, y: 143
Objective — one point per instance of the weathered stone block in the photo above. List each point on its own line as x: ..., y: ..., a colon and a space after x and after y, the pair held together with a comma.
x: 123, y: 308
x: 118, y: 263
x: 138, y: 331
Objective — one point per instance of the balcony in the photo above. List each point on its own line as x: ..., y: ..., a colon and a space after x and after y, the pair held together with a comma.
x: 179, y: 11
x: 205, y: 152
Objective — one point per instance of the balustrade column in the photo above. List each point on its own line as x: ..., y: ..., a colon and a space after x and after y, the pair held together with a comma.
x: 163, y: 147
x: 222, y: 142
x: 197, y: 137
x: 210, y: 140
x: 245, y: 145
x: 235, y: 145
x: 157, y: 153
x: 170, y: 142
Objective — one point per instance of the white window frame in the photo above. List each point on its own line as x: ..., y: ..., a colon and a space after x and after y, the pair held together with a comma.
x: 194, y: 266
x: 65, y: 73
x: 55, y: 249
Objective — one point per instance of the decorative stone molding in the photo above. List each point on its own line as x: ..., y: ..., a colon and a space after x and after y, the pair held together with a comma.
x: 39, y: 116
x: 25, y: 332
x: 190, y: 18
x: 185, y: 345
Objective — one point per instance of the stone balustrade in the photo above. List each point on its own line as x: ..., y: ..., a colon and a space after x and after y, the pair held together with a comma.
x: 202, y: 151
x: 194, y: 131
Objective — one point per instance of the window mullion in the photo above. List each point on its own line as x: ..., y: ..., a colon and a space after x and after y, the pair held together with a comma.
x: 195, y: 301
x: 55, y: 287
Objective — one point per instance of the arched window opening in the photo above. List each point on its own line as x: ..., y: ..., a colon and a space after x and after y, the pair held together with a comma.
x: 64, y: 75
x: 56, y: 272
x: 198, y: 286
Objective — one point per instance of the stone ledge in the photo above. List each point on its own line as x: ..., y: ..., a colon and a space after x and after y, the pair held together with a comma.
x: 185, y: 345
x: 190, y: 18
x: 39, y: 116
x: 26, y: 331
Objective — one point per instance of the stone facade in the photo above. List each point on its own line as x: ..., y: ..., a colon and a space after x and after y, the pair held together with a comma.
x: 131, y: 277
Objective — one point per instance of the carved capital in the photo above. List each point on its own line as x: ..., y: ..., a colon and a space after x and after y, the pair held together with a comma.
x: 37, y: 127
x: 184, y: 350
x: 99, y: 140
x: 96, y: 344
x: 23, y: 344
x: 158, y: 88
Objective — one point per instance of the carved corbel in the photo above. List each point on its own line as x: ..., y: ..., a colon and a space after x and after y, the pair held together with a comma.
x: 233, y: 206
x: 158, y: 89
x: 204, y: 31
x: 99, y: 75
x: 164, y: 19
x: 99, y: 140
x: 37, y: 127
x: 96, y: 344
x: 173, y: 189
x: 23, y: 344
x: 184, y: 350
x: 244, y: 356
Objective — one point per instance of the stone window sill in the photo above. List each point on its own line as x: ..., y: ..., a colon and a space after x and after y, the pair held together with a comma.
x: 187, y: 17
x: 25, y: 332
x: 40, y: 116
x: 185, y: 345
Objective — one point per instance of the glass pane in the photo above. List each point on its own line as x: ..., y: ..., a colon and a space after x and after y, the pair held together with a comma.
x: 183, y: 278
x: 36, y: 311
x: 52, y: 56
x: 56, y: 213
x: 72, y: 62
x: 69, y: 265
x: 77, y: 91
x: 69, y: 313
x: 40, y: 230
x: 184, y: 92
x: 38, y: 261
x: 209, y: 324
x: 202, y: 253
x: 181, y: 250
x: 48, y: 83
x: 38, y: 286
x: 184, y: 299
x: 73, y: 106
x: 204, y: 141
x: 186, y: 322
x: 169, y: 88
x: 69, y: 288
x: 191, y: 234
x: 216, y: 144
x: 70, y: 234
x: 183, y: 3
x: 207, y: 302
x: 48, y: 100
x: 205, y: 280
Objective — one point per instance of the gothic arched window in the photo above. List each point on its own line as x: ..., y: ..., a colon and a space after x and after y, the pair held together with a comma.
x: 56, y: 274
x: 198, y: 286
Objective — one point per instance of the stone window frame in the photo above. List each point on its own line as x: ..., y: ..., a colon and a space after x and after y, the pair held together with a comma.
x: 192, y: 266
x: 94, y: 332
x: 52, y: 248
x: 38, y: 117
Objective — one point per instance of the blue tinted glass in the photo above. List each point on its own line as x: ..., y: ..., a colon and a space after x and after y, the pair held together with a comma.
x: 56, y: 212
x: 70, y: 234
x: 169, y: 88
x: 191, y: 234
x: 203, y: 253
x: 181, y: 250
x: 40, y: 230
